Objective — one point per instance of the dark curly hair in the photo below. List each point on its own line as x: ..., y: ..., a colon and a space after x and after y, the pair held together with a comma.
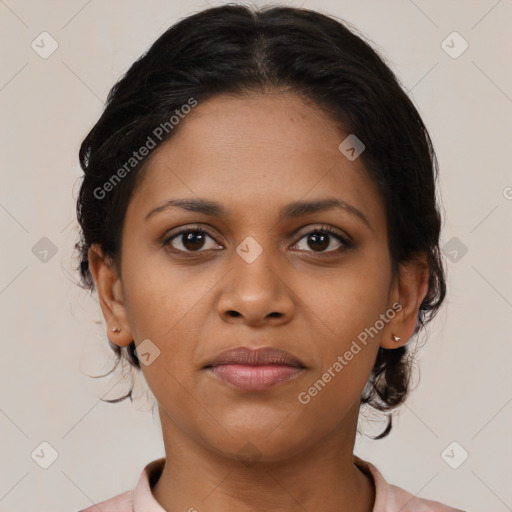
x: 239, y: 50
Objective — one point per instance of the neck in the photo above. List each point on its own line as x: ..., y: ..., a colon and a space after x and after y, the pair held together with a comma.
x: 321, y: 477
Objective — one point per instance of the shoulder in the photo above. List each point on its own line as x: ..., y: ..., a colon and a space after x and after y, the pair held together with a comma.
x: 400, y: 499
x: 389, y: 498
x: 139, y: 499
x: 120, y: 503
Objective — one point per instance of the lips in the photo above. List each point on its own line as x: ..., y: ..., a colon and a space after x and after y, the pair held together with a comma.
x: 255, y: 369
x: 256, y: 357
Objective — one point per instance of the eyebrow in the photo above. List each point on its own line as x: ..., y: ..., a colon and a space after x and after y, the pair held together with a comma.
x: 292, y: 210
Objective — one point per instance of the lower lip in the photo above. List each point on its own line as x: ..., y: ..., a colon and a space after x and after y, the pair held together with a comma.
x: 254, y: 378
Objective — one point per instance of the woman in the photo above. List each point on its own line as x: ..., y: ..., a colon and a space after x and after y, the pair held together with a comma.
x: 258, y: 215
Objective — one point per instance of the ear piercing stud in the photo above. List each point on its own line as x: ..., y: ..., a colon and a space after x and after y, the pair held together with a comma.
x: 115, y: 329
x: 396, y: 338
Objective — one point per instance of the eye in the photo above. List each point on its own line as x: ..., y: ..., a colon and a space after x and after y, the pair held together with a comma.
x: 194, y: 239
x: 320, y: 239
x: 189, y: 240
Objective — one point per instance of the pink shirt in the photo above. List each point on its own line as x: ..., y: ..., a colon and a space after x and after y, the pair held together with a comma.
x: 388, y: 498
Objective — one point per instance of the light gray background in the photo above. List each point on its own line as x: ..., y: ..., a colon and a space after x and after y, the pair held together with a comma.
x: 53, y: 333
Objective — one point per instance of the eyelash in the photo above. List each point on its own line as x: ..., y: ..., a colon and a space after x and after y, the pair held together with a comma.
x: 324, y: 229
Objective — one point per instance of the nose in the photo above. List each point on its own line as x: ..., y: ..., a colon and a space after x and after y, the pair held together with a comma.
x: 256, y: 293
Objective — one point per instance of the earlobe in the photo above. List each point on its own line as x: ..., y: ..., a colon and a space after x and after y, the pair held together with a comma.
x: 410, y: 289
x: 110, y: 295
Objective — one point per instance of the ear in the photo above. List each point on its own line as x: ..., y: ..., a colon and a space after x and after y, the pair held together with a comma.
x: 408, y: 290
x: 110, y: 293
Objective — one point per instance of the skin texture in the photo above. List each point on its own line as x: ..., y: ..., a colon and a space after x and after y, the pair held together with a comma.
x: 229, y: 449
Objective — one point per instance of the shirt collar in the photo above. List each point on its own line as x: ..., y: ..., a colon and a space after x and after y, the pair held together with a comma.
x: 144, y: 501
x: 381, y: 486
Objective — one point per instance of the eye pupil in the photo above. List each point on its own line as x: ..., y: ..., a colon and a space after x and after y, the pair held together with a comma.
x: 193, y: 240
x: 324, y: 243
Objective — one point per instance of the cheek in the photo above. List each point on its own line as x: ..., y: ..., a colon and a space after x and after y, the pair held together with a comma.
x: 346, y: 309
x: 162, y: 298
x: 347, y: 302
x: 167, y: 307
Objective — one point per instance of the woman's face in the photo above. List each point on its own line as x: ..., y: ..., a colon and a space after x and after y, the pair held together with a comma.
x: 257, y: 278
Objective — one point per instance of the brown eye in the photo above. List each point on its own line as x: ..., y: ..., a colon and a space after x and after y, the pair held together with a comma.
x: 189, y: 240
x: 320, y: 239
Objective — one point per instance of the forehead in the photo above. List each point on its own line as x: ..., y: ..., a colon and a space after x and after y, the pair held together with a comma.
x: 255, y: 151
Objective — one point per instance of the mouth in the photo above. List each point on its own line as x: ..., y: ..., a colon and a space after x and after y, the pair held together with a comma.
x: 255, y: 369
